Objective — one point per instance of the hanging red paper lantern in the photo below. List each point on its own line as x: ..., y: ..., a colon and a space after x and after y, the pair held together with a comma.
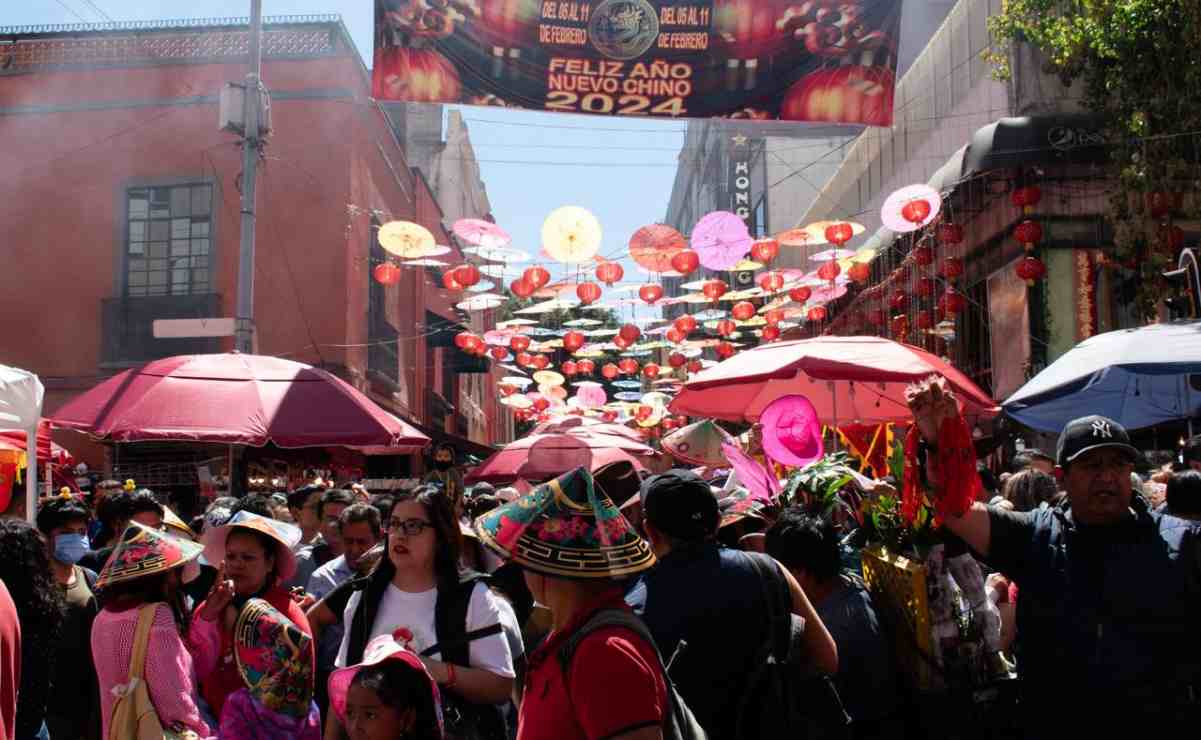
x: 1031, y: 269
x: 676, y: 359
x: 621, y: 342
x: 952, y: 267
x: 499, y: 353
x: 839, y: 233
x: 472, y: 344
x: 875, y: 316
x: 774, y: 316
x: 588, y: 292
x: 610, y: 371
x: 628, y: 365
x: 800, y: 294
x: 743, y: 310
x: 668, y: 424
x: 1028, y: 232
x: 650, y: 371
x: 609, y: 416
x: 586, y: 367
x: 900, y: 326
x: 952, y: 301
x: 569, y: 368
x: 541, y: 404
x: 519, y: 343
x: 573, y: 340
x: 506, y: 389
x: 536, y: 276
x: 924, y: 319
x: 923, y: 255
x: 695, y: 366
x: 925, y: 287
x: 770, y: 333
x: 1161, y: 205
x: 674, y: 335
x: 685, y: 261
x: 899, y: 300
x: 629, y: 332
x: 609, y: 272
x: 950, y: 233
x: 541, y: 362
x: 816, y: 314
x: 462, y: 339
x: 386, y: 274
x: 525, y: 359
x: 725, y: 350
x: 829, y: 270
x: 643, y: 412
x: 771, y: 281
x: 916, y: 211
x: 860, y: 272
x: 650, y: 293
x: 765, y: 250
x: 725, y: 327
x: 467, y: 275
x: 1171, y: 239
x: 450, y: 282
x: 522, y: 288
x: 715, y: 289
x: 1026, y: 197
x: 686, y: 324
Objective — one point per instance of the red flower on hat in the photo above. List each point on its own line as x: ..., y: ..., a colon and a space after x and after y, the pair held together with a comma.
x: 612, y: 530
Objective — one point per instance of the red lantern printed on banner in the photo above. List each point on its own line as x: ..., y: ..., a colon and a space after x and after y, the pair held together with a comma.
x: 675, y: 336
x: 950, y: 233
x: 629, y: 332
x: 650, y: 294
x: 586, y: 367
x: 536, y: 276
x: 695, y: 366
x: 849, y: 93
x: 773, y: 317
x: 499, y: 353
x: 816, y: 314
x: 386, y: 274
x: 860, y: 272
x: 771, y: 281
x: 569, y: 368
x: 770, y: 333
x: 686, y: 324
x: 765, y: 250
x: 610, y: 371
x: 522, y: 288
x: 725, y: 327
x: 923, y: 255
x: 839, y: 233
x: 519, y: 343
x: 743, y: 310
x: 725, y: 350
x: 1031, y: 269
x: 800, y: 294
x: 676, y: 359
x: 650, y: 371
x: 628, y: 366
x: 588, y: 293
x: 714, y: 289
x: 829, y: 271
x: 609, y: 272
x: 573, y: 340
x: 952, y: 267
x: 685, y: 262
x: 467, y: 275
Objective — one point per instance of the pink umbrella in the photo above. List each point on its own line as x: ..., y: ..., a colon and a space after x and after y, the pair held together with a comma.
x: 481, y: 233
x: 509, y: 463
x: 848, y: 379
x: 582, y: 425
x: 238, y: 399
x: 721, y: 239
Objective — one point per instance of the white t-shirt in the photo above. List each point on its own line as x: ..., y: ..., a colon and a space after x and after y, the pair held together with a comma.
x: 415, y: 612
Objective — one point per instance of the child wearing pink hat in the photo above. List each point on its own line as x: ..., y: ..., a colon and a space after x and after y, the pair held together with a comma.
x: 389, y: 696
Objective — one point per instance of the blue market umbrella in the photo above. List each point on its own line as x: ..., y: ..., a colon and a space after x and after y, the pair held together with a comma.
x: 1139, y: 377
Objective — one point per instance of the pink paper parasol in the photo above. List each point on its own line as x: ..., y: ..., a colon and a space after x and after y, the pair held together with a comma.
x: 653, y: 247
x: 832, y: 254
x: 721, y: 239
x: 890, y: 212
x: 481, y: 233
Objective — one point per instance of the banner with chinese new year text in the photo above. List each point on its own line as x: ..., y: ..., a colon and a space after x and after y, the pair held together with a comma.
x: 815, y: 60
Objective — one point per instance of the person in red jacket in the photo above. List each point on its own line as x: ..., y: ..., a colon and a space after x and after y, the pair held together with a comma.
x: 255, y: 556
x: 10, y: 664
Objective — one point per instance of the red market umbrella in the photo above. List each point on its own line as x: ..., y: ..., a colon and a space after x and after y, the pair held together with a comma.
x: 542, y: 456
x: 849, y: 380
x: 235, y: 399
x: 582, y: 425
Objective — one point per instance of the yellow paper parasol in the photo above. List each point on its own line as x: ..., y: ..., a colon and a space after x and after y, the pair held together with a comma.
x: 571, y: 234
x: 406, y: 239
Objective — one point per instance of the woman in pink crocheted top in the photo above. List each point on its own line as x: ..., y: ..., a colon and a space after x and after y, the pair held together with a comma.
x: 145, y: 569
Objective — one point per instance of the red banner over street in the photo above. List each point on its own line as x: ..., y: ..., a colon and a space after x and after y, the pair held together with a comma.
x: 759, y: 60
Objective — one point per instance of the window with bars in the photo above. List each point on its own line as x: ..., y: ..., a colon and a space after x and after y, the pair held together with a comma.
x: 168, y: 247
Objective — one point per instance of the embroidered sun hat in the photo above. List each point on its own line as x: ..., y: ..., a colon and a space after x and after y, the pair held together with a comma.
x: 567, y: 527
x: 180, y: 527
x: 286, y: 537
x: 143, y: 551
x: 273, y: 657
x: 383, y: 648
x: 699, y: 444
x: 792, y: 434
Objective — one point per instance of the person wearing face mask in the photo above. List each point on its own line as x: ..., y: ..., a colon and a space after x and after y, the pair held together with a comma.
x: 447, y: 476
x: 63, y: 522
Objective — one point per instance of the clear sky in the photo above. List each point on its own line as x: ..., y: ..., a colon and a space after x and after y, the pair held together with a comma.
x: 620, y: 169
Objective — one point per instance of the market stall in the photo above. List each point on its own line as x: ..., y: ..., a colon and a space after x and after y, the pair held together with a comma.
x: 21, y: 394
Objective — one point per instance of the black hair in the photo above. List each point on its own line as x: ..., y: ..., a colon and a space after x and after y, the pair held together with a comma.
x: 446, y: 447
x: 143, y: 501
x: 361, y: 513
x: 25, y: 570
x: 334, y: 496
x: 300, y: 496
x: 1184, y: 494
x: 481, y: 505
x: 804, y: 542
x: 149, y: 589
x: 222, y: 502
x: 1026, y: 457
x: 255, y: 503
x: 440, y: 511
x: 58, y: 511
x: 383, y: 504
x: 1158, y: 458
x: 402, y: 687
x: 1028, y: 489
x: 197, y: 523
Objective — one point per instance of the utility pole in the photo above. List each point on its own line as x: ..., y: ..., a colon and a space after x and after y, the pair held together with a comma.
x: 244, y: 331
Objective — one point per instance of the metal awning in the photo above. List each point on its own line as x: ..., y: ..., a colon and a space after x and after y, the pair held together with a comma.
x: 1054, y: 139
x: 945, y: 178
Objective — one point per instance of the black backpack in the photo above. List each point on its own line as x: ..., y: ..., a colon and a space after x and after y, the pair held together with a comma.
x: 680, y: 723
x: 780, y: 699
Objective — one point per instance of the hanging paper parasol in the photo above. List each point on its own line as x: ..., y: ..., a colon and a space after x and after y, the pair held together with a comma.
x: 901, y: 209
x: 721, y: 239
x: 571, y: 234
x: 506, y: 255
x: 699, y: 444
x: 817, y: 230
x: 590, y: 394
x: 653, y: 247
x: 481, y: 302
x: 799, y: 238
x: 406, y: 239
x: 831, y: 254
x: 480, y: 233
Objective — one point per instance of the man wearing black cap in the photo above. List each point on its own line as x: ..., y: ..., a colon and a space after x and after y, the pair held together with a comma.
x: 1109, y: 591
x: 704, y: 603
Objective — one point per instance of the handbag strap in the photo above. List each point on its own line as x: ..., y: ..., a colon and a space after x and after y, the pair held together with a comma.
x: 141, y: 637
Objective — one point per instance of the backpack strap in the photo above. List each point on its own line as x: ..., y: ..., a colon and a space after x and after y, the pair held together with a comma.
x: 141, y: 636
x: 450, y: 619
x: 363, y: 619
x: 777, y: 602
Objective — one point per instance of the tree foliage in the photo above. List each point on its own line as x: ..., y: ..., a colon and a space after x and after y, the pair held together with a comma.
x: 1140, y: 71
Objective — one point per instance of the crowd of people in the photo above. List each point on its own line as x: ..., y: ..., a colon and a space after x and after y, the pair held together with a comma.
x: 600, y: 604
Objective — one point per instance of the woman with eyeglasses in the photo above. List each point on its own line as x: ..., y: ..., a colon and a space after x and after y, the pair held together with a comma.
x: 450, y: 618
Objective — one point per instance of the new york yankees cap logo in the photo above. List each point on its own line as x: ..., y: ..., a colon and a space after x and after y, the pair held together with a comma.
x: 1090, y: 433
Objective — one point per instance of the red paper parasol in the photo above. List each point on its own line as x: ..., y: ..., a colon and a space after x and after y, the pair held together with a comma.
x: 721, y: 239
x: 653, y: 247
